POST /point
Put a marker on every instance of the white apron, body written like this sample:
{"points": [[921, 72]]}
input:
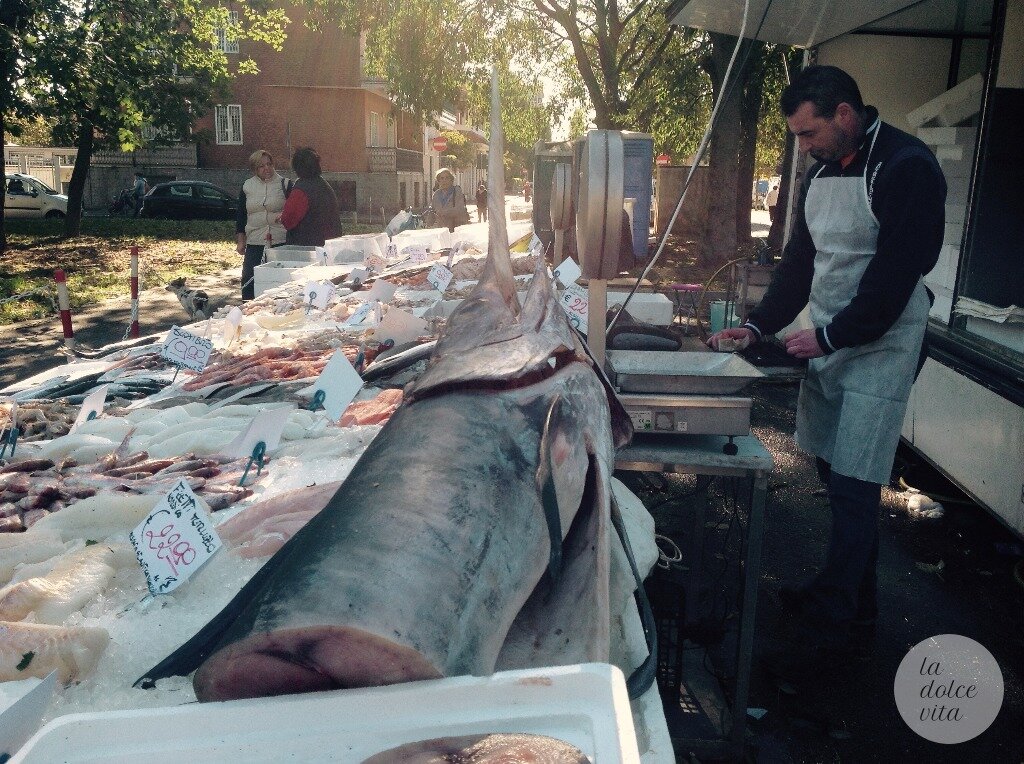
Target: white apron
{"points": [[851, 406]]}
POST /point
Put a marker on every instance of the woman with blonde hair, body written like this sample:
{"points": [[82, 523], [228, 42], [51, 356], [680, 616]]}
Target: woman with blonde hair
{"points": [[258, 223]]}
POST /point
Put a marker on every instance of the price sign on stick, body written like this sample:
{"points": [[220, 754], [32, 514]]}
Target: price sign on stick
{"points": [[267, 427], [417, 253], [321, 256], [319, 293], [536, 245], [339, 383], [575, 302], [92, 407], [567, 272], [232, 322], [439, 277], [174, 540], [186, 350], [361, 315]]}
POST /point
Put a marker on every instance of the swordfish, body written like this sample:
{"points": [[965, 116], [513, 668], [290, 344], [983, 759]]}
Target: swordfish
{"points": [[480, 511]]}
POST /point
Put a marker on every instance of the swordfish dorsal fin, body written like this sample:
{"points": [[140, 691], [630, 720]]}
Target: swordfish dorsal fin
{"points": [[498, 268]]}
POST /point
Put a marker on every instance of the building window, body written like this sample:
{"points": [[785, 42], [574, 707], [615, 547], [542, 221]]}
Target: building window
{"points": [[374, 128], [226, 39], [392, 133], [228, 119]]}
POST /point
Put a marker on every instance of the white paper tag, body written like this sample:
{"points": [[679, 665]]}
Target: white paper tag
{"points": [[417, 253], [318, 293], [400, 326], [391, 251], [643, 421], [381, 290], [321, 255], [186, 349], [20, 720], [93, 404], [536, 245], [175, 540], [439, 277], [358, 274], [568, 272], [340, 383], [574, 302], [267, 427], [360, 316], [232, 322]]}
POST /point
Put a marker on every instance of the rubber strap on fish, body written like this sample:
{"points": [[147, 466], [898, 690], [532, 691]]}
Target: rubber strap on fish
{"points": [[642, 678], [549, 497]]}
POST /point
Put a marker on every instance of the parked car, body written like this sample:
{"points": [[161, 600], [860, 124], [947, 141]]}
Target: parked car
{"points": [[28, 197], [184, 199]]}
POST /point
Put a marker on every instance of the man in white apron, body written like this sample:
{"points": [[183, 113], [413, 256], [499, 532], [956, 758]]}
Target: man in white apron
{"points": [[868, 226]]}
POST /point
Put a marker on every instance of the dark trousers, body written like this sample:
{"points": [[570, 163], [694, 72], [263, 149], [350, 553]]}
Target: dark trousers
{"points": [[481, 213], [771, 213], [253, 257], [845, 589]]}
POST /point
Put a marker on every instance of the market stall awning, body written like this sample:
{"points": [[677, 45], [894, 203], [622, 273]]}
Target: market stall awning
{"points": [[803, 23]]}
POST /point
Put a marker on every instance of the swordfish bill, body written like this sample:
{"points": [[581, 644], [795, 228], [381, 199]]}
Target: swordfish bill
{"points": [[473, 531]]}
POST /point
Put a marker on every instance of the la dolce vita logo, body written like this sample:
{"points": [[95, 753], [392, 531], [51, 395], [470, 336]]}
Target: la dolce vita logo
{"points": [[948, 689]]}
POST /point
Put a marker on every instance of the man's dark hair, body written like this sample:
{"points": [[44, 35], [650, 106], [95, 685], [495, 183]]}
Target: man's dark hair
{"points": [[824, 86], [306, 163]]}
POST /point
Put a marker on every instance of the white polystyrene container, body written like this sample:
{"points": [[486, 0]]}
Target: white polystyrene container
{"points": [[586, 705]]}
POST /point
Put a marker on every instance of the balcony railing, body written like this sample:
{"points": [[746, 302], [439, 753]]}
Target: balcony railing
{"points": [[389, 159], [162, 156]]}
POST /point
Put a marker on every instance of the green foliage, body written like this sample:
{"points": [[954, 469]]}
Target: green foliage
{"points": [[29, 131], [461, 152]]}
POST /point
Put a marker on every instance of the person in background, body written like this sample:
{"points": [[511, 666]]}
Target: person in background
{"points": [[311, 214], [258, 225], [771, 201], [481, 202], [139, 191], [527, 191], [868, 226], [448, 201]]}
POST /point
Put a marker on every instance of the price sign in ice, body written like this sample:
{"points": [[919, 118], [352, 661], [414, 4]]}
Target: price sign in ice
{"points": [[266, 428], [358, 274], [575, 301], [232, 322], [361, 314], [92, 406], [439, 277], [567, 272], [319, 293], [417, 253], [339, 383], [321, 256], [536, 245], [175, 540], [186, 349]]}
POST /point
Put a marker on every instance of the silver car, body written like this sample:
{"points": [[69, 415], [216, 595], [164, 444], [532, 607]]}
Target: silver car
{"points": [[28, 197]]}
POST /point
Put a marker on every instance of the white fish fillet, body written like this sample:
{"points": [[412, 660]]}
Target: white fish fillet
{"points": [[36, 545], [99, 516], [198, 442], [72, 583], [60, 447], [40, 649]]}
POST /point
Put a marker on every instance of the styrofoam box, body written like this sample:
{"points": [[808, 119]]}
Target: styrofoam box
{"points": [[356, 247], [270, 275], [586, 705]]}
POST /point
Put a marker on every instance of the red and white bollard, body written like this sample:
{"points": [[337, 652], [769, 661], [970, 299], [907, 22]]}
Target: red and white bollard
{"points": [[65, 308], [134, 327]]}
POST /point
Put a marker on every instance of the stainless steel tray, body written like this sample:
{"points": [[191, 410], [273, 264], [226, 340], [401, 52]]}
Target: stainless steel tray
{"points": [[680, 372]]}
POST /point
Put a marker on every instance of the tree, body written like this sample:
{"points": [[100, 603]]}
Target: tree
{"points": [[31, 131], [106, 69]]}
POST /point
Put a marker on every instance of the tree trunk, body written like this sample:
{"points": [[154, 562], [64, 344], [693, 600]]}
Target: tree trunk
{"points": [[778, 229], [750, 110], [76, 188], [718, 244]]}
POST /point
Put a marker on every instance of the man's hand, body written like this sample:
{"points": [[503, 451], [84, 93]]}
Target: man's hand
{"points": [[736, 339], [804, 344]]}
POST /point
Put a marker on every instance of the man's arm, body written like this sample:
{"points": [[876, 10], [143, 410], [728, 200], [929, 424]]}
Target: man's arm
{"points": [[909, 202], [791, 283]]}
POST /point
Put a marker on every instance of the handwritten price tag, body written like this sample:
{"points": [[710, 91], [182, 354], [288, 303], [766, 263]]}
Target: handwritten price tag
{"points": [[186, 349], [439, 277], [575, 302], [567, 272], [339, 383], [92, 406], [417, 253], [536, 245], [319, 293], [174, 541]]}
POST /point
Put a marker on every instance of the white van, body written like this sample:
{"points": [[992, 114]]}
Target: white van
{"points": [[28, 197]]}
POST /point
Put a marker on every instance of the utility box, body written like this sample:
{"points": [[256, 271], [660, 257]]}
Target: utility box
{"points": [[545, 156]]}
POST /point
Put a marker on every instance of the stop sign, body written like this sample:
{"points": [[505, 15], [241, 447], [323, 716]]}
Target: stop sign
{"points": [[440, 143], [663, 160]]}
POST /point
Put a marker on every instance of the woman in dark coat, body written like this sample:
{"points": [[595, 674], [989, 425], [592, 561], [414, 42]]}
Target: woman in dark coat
{"points": [[311, 214]]}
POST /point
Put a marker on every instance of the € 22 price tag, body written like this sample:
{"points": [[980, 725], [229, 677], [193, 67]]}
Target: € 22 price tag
{"points": [[174, 540], [439, 277], [575, 302], [536, 246], [186, 349], [319, 293]]}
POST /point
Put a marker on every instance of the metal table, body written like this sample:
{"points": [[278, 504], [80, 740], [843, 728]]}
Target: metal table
{"points": [[703, 455]]}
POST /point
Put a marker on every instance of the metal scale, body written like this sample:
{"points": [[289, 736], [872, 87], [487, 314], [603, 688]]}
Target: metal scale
{"points": [[665, 393]]}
